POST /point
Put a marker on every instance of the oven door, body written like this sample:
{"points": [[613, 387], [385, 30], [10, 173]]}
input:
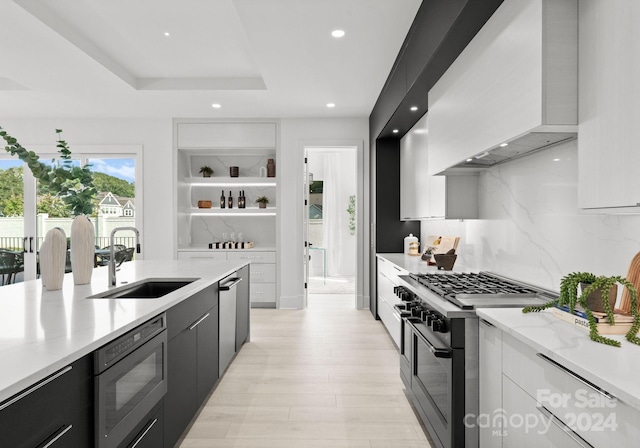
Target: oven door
{"points": [[128, 390], [438, 386]]}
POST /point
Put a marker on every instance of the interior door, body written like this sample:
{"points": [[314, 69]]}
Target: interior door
{"points": [[306, 257]]}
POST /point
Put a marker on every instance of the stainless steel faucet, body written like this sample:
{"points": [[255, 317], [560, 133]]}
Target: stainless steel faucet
{"points": [[112, 252]]}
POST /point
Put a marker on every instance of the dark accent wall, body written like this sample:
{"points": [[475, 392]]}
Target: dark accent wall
{"points": [[439, 33], [389, 231]]}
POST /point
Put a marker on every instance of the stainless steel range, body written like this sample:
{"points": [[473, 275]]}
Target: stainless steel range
{"points": [[439, 344]]}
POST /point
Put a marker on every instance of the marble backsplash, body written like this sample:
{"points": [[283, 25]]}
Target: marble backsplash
{"points": [[530, 227]]}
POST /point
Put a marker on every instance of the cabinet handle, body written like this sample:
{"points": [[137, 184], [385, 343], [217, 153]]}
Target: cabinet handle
{"points": [[560, 424], [199, 321], [62, 431], [487, 323], [231, 284], [578, 377], [397, 269], [147, 429], [35, 387]]}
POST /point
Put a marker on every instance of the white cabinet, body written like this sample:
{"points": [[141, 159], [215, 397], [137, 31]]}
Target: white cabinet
{"points": [[414, 179], [423, 196], [388, 279], [609, 96], [518, 75], [262, 272], [490, 380], [560, 408], [224, 135]]}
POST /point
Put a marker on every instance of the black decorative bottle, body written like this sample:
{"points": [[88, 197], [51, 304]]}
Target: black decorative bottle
{"points": [[223, 201], [230, 202]]}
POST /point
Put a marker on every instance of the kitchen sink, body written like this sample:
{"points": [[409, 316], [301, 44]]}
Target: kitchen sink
{"points": [[145, 289]]}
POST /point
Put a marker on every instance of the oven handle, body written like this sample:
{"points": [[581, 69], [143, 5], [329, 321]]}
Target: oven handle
{"points": [[437, 352]]}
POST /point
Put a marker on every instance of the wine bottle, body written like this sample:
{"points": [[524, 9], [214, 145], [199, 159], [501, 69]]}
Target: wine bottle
{"points": [[230, 202], [223, 201]]}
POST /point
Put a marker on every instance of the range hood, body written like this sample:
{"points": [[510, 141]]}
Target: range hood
{"points": [[512, 91], [516, 148]]}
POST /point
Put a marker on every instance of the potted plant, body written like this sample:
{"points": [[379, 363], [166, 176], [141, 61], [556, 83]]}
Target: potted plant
{"points": [[600, 286], [262, 201], [206, 171]]}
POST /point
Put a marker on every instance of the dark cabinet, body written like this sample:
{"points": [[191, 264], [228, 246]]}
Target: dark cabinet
{"points": [[180, 400], [150, 433], [192, 360], [242, 308], [55, 412], [207, 354]]}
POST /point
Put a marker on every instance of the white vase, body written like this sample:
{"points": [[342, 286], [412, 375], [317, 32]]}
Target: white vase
{"points": [[82, 250], [54, 258]]}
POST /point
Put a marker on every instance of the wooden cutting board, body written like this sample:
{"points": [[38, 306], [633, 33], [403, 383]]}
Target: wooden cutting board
{"points": [[634, 277]]}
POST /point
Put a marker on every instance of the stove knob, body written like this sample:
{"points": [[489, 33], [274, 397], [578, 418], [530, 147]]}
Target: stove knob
{"points": [[395, 290], [439, 325], [430, 318]]}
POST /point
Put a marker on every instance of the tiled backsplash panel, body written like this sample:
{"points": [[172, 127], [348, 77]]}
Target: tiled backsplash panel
{"points": [[530, 227]]}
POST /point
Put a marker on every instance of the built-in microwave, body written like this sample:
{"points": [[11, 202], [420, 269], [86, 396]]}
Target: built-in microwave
{"points": [[130, 379]]}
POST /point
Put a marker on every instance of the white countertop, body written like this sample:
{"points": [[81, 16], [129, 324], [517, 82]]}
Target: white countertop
{"points": [[43, 331], [413, 263], [611, 368]]}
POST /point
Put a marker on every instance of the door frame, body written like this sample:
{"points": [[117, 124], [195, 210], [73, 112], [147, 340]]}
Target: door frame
{"points": [[362, 213]]}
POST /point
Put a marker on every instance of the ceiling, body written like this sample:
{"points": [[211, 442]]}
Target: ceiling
{"points": [[256, 58]]}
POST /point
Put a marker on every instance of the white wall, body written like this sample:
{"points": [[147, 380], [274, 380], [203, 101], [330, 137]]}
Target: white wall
{"points": [[295, 135], [530, 228], [155, 135]]}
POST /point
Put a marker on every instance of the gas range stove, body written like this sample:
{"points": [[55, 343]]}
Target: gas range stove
{"points": [[468, 291]]}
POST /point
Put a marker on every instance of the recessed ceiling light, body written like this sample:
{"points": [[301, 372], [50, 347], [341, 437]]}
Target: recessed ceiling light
{"points": [[216, 106], [556, 160], [469, 160], [502, 145], [167, 34], [337, 33], [414, 108], [330, 105], [395, 131]]}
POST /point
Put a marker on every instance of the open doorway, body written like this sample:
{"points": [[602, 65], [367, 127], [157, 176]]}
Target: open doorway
{"points": [[331, 220]]}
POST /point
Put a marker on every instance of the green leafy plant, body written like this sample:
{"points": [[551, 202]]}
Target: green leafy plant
{"points": [[73, 184], [206, 171], [569, 297], [352, 214], [263, 200]]}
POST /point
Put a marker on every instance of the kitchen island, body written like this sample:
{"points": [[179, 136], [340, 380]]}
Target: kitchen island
{"points": [[48, 340]]}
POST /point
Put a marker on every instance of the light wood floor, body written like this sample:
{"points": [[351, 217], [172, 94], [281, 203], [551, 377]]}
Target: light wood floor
{"points": [[323, 377]]}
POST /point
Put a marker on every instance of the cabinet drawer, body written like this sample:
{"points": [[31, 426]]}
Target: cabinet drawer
{"points": [[537, 431], [390, 270], [579, 403], [390, 320], [253, 257], [57, 410], [385, 291], [263, 292], [263, 273], [212, 255]]}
